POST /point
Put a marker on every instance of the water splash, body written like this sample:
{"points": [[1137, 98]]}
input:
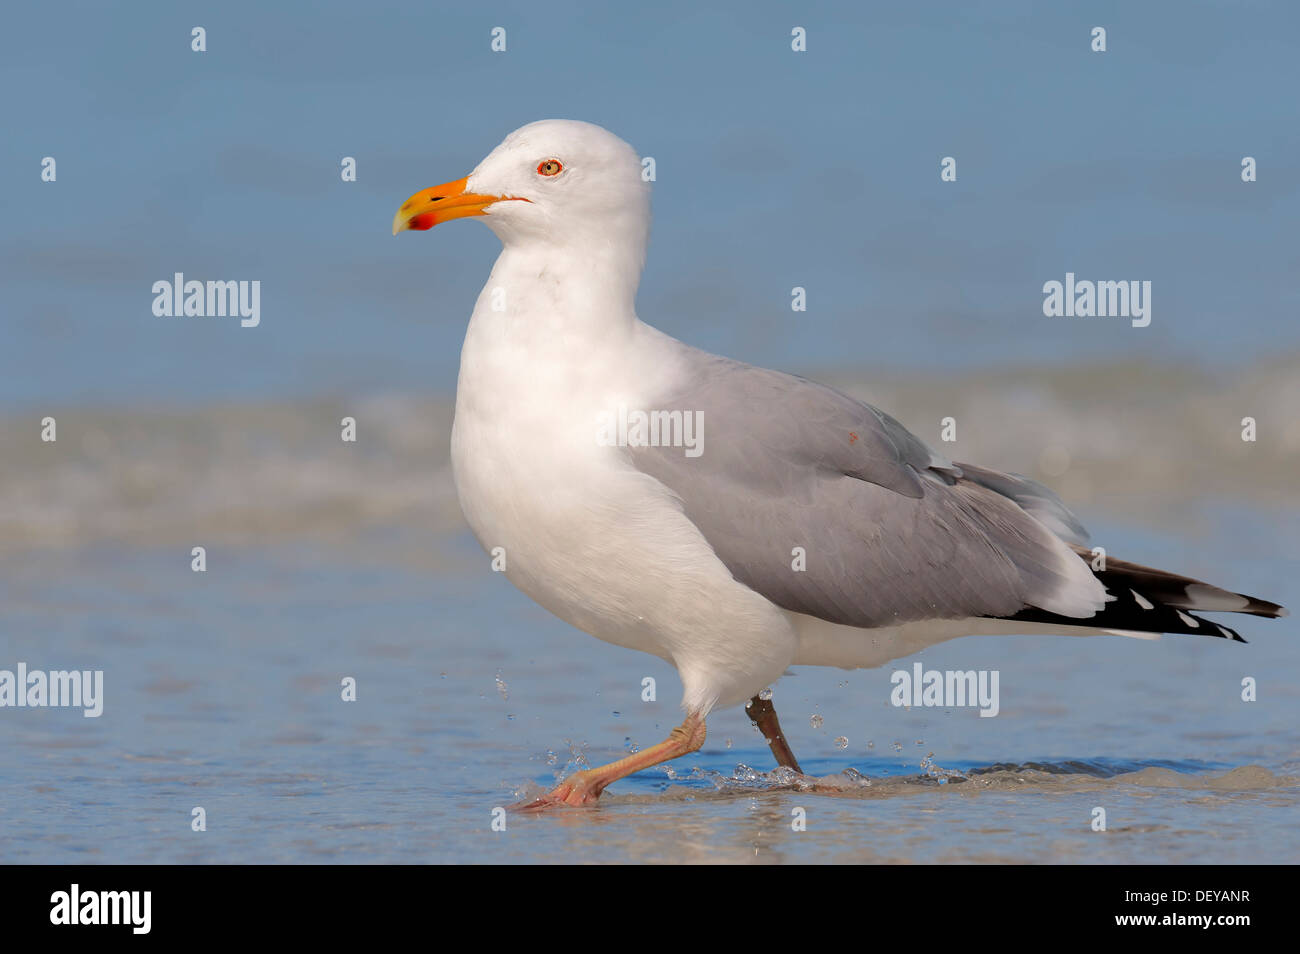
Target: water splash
{"points": [[938, 772], [577, 758]]}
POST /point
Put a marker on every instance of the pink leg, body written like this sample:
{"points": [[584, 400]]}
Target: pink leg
{"points": [[583, 788]]}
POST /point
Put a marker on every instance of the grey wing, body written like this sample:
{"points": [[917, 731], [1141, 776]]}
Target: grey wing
{"points": [[829, 507], [1035, 499]]}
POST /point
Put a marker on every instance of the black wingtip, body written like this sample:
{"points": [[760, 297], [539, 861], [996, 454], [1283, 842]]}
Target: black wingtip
{"points": [[1258, 607], [1267, 611], [1226, 632]]}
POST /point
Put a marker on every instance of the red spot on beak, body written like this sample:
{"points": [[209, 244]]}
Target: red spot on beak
{"points": [[423, 222]]}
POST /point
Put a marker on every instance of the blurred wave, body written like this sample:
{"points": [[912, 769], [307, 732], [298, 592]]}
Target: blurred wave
{"points": [[144, 475], [1132, 438]]}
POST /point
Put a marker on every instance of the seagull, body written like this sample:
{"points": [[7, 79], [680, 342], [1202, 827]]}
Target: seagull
{"points": [[729, 519]]}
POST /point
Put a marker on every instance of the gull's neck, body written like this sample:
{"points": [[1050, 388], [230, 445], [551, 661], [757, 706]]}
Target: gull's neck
{"points": [[579, 292]]}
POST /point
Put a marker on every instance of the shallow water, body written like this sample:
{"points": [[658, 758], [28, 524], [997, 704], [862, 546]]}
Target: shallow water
{"points": [[222, 689]]}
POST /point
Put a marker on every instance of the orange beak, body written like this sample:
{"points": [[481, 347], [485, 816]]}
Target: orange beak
{"points": [[441, 204]]}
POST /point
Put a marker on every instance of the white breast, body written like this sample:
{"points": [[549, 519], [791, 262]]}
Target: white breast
{"points": [[599, 544]]}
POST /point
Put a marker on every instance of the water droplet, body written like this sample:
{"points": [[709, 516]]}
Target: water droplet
{"points": [[443, 675], [816, 721], [841, 742], [870, 744], [616, 713], [898, 746], [728, 743], [576, 754], [765, 694], [551, 757], [502, 688], [510, 717]]}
